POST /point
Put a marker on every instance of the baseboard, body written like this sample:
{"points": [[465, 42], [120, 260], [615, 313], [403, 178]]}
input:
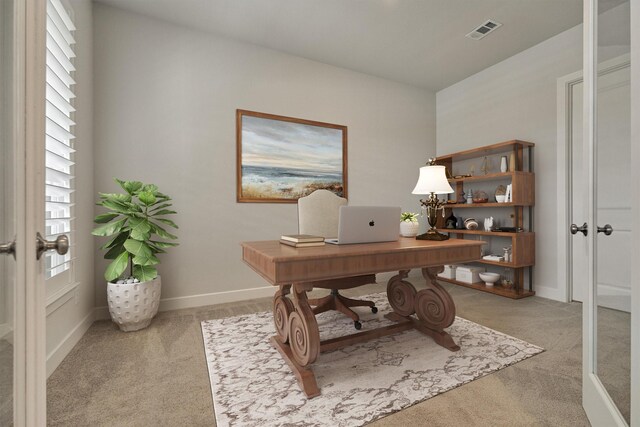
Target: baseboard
{"points": [[200, 300], [551, 293], [57, 355]]}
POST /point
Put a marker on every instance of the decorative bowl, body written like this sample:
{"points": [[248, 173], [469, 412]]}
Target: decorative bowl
{"points": [[489, 278], [471, 224], [483, 200], [500, 198]]}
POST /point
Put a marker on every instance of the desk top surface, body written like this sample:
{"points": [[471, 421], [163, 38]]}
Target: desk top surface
{"points": [[273, 250]]}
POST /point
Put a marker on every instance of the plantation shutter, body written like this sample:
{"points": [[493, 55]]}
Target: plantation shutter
{"points": [[59, 157]]}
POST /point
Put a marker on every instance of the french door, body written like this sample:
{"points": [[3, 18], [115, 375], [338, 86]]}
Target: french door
{"points": [[609, 236], [22, 293]]}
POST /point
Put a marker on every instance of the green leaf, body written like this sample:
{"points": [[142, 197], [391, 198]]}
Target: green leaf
{"points": [[144, 273], [118, 240], [163, 205], [116, 197], [156, 250], [146, 260], [117, 267], [109, 229], [151, 188], [131, 187], [168, 222], [140, 229], [165, 212], [162, 232], [137, 248], [106, 217], [163, 244], [114, 252], [115, 205], [147, 197]]}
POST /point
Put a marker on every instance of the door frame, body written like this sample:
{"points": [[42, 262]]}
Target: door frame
{"points": [[564, 140], [635, 209]]}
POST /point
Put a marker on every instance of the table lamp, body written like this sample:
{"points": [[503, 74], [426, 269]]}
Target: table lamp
{"points": [[432, 181]]}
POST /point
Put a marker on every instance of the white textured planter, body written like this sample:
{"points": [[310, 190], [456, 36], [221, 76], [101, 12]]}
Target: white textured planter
{"points": [[409, 228], [132, 306]]}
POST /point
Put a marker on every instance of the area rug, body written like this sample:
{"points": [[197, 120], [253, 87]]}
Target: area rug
{"points": [[252, 385]]}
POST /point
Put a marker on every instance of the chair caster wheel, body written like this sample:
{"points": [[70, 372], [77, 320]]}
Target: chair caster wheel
{"points": [[374, 310], [357, 325]]}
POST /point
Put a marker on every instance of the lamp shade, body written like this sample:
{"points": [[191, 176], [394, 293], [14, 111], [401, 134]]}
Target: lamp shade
{"points": [[432, 179]]}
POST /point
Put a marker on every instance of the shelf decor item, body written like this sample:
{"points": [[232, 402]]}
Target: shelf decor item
{"points": [[432, 181], [503, 164], [409, 224]]}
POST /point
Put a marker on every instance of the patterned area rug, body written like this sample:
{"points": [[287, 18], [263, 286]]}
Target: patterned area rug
{"points": [[253, 386]]}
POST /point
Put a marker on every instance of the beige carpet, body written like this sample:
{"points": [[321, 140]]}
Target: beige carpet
{"points": [[252, 385]]}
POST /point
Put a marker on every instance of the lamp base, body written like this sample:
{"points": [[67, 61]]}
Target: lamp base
{"points": [[432, 234]]}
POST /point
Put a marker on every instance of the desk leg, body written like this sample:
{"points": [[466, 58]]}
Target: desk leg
{"points": [[302, 335], [433, 306], [282, 308]]}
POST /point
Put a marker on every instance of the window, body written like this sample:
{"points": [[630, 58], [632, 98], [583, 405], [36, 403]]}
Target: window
{"points": [[59, 157]]}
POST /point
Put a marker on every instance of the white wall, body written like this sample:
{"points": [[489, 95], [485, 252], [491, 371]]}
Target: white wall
{"points": [[516, 99], [71, 311], [165, 102]]}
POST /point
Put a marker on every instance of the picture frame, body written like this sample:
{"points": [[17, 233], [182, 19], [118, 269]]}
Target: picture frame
{"points": [[280, 159]]}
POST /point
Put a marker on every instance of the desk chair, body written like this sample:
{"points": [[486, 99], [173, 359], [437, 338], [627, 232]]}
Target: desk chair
{"points": [[318, 215]]}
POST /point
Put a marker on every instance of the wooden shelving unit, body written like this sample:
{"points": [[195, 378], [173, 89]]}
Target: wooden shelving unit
{"points": [[523, 184]]}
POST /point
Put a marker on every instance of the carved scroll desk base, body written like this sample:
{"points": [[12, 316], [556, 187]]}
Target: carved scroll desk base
{"points": [[297, 336]]}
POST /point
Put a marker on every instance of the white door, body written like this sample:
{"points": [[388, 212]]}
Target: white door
{"points": [[606, 269], [614, 175], [22, 293]]}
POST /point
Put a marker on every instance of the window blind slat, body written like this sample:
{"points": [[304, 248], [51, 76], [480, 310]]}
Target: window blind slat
{"points": [[59, 86], [59, 39], [58, 132], [59, 54], [60, 148], [62, 12], [58, 100], [58, 69], [59, 116], [59, 23]]}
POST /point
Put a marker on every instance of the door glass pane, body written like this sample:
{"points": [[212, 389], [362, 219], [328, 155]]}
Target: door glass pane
{"points": [[613, 206], [7, 217]]}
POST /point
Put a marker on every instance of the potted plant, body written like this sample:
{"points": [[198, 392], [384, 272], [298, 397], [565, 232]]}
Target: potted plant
{"points": [[409, 225], [135, 222]]}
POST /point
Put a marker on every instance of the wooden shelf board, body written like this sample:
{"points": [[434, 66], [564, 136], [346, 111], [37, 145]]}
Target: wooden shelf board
{"points": [[500, 263], [484, 233], [486, 150], [496, 289], [483, 205], [490, 177]]}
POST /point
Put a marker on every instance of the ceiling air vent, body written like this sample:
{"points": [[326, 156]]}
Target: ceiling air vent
{"points": [[484, 29]]}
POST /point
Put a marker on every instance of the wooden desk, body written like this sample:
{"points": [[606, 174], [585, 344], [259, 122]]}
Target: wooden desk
{"points": [[300, 270]]}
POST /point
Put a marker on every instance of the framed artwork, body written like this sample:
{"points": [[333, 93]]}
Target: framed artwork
{"points": [[280, 159]]}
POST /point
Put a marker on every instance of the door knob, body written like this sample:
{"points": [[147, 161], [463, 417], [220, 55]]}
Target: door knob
{"points": [[607, 230], [8, 248], [574, 229], [61, 245]]}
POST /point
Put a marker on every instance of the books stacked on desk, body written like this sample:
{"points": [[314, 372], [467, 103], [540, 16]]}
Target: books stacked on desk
{"points": [[301, 240]]}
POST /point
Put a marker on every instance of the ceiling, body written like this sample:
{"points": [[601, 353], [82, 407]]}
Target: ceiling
{"points": [[419, 42]]}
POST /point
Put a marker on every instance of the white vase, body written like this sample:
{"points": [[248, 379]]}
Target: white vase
{"points": [[409, 228], [133, 305], [503, 164]]}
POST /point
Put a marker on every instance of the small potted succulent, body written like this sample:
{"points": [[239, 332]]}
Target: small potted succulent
{"points": [[135, 222], [409, 225]]}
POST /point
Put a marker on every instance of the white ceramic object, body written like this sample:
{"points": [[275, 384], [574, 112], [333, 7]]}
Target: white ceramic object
{"points": [[500, 198], [409, 228], [133, 305], [489, 278]]}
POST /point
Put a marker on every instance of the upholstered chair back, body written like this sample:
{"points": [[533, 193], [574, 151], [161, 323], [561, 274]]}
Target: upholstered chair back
{"points": [[318, 213]]}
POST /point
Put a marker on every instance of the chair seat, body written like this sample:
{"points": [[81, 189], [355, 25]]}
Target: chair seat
{"points": [[345, 282]]}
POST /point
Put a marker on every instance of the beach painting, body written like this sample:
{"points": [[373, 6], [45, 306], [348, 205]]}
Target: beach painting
{"points": [[281, 159]]}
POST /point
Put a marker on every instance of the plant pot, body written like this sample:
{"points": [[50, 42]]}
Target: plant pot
{"points": [[133, 305], [409, 228]]}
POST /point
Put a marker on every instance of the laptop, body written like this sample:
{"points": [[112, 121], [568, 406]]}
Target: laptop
{"points": [[367, 224]]}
